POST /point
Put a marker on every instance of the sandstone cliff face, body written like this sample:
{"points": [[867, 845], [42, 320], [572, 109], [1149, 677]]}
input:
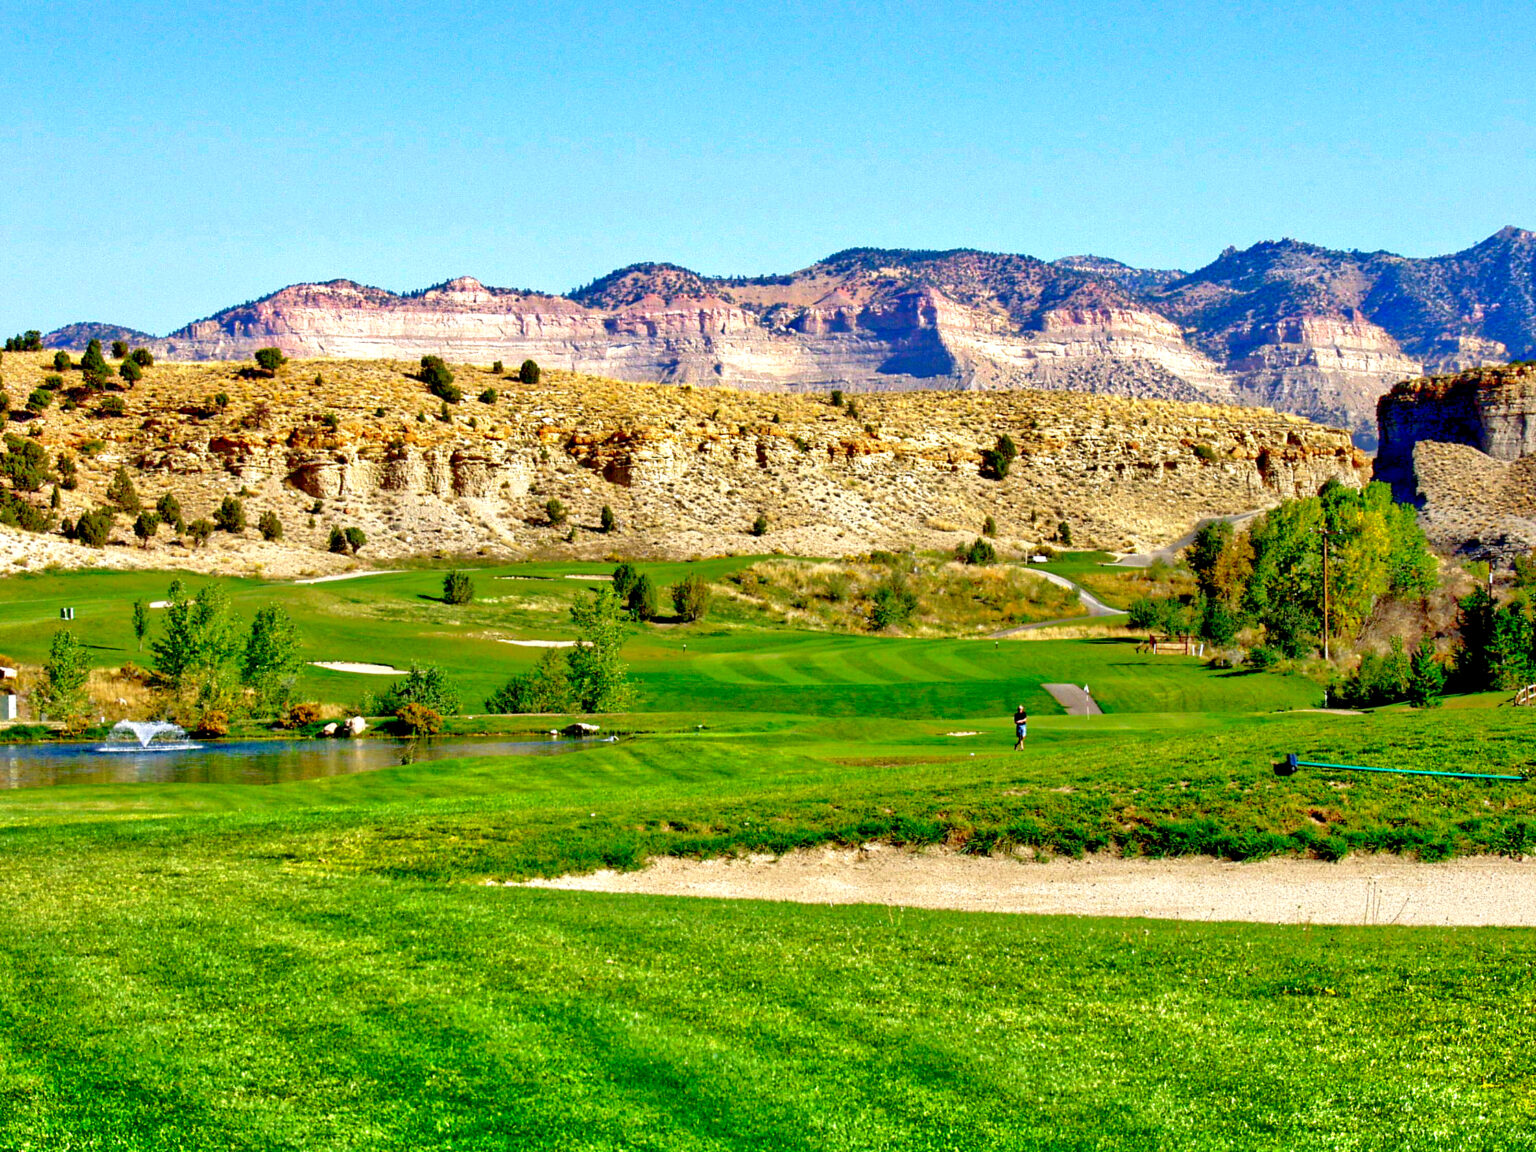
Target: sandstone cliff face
{"points": [[1464, 448], [686, 469], [1305, 329]]}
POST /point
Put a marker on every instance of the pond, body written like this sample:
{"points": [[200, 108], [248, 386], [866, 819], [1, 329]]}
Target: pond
{"points": [[246, 761]]}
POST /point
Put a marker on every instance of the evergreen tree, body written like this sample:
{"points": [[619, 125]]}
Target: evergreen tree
{"points": [[458, 588], [641, 601], [529, 373], [1426, 677], [607, 520]]}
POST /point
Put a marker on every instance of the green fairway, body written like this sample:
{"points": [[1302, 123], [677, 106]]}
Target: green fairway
{"points": [[726, 663]]}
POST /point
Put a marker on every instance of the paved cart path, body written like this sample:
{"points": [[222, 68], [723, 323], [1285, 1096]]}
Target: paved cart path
{"points": [[1074, 699]]}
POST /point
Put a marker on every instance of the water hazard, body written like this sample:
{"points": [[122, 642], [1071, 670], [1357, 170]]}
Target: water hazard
{"points": [[243, 761]]}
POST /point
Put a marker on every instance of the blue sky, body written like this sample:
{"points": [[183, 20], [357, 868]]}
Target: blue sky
{"points": [[161, 161]]}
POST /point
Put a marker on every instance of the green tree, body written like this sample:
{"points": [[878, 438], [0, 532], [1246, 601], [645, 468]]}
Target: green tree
{"points": [[989, 527], [269, 360], [598, 676], [93, 361], [1218, 623], [978, 551], [140, 622], [197, 653], [426, 685], [143, 357], [270, 527], [1064, 534], [554, 511], [119, 349], [624, 577], [641, 601], [607, 521], [760, 525], [25, 464], [545, 688], [529, 373], [458, 588], [356, 539], [269, 662], [62, 691], [1426, 677], [200, 529], [130, 372], [145, 526], [38, 401], [690, 598], [121, 493], [169, 508], [1204, 555], [94, 528], [230, 516], [338, 541], [439, 380], [62, 361]]}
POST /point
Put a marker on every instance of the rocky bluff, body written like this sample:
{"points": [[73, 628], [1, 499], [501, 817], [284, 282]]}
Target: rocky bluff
{"points": [[1304, 329], [686, 470], [1463, 447]]}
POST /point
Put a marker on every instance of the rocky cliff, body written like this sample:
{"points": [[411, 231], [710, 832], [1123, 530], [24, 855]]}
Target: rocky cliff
{"points": [[685, 469], [1310, 330], [1464, 448]]}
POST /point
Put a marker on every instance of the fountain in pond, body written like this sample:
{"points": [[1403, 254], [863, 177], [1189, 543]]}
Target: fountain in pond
{"points": [[147, 736]]}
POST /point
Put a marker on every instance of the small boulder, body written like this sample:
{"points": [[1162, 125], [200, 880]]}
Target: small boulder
{"points": [[329, 729], [356, 726], [580, 729]]}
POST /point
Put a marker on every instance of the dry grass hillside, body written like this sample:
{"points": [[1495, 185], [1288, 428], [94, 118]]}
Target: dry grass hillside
{"points": [[328, 443]]}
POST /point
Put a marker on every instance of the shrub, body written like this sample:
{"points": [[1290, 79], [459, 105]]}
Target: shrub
{"points": [[338, 541], [554, 511], [112, 406], [331, 421], [1205, 453], [545, 688], [270, 527], [130, 372], [25, 464], [62, 361], [994, 465], [418, 719], [837, 398], [200, 530], [498, 368], [355, 539], [488, 396], [607, 521], [169, 508], [458, 588], [145, 527], [38, 401], [213, 724], [1064, 534], [989, 527], [1261, 658], [94, 528], [760, 525], [529, 373], [230, 516], [143, 357], [438, 378], [119, 349], [53, 383], [891, 602], [269, 360], [121, 493], [641, 601], [979, 552], [690, 597], [300, 715]]}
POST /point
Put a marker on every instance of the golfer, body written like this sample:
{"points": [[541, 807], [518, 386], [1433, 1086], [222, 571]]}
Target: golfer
{"points": [[1020, 725]]}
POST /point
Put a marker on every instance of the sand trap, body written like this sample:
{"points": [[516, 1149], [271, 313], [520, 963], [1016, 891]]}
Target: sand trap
{"points": [[159, 603], [539, 643], [607, 576], [1484, 890], [346, 576], [962, 733], [364, 669]]}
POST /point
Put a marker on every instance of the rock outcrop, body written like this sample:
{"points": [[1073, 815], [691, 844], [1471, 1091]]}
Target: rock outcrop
{"points": [[1310, 330], [687, 470], [1463, 447]]}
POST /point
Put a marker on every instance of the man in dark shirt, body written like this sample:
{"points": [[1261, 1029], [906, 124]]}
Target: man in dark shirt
{"points": [[1020, 723]]}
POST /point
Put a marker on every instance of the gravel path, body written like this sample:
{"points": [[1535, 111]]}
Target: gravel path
{"points": [[1358, 890]]}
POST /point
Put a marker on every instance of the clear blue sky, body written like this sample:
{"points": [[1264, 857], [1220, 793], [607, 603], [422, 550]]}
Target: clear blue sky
{"points": [[161, 161]]}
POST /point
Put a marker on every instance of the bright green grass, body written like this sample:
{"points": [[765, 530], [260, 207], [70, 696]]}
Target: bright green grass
{"points": [[720, 664], [315, 965]]}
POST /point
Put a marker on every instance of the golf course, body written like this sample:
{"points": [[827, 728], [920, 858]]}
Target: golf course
{"points": [[342, 962]]}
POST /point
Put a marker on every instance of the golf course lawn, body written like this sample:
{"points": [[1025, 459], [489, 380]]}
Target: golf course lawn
{"points": [[322, 965]]}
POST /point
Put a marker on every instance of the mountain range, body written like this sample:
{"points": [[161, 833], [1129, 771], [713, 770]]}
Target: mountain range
{"points": [[1314, 331]]}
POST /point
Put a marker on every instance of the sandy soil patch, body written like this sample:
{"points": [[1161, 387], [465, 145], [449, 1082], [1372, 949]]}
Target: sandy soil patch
{"points": [[363, 669], [1358, 890]]}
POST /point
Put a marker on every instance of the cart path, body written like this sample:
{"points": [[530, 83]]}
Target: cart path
{"points": [[1375, 890], [1095, 606], [1074, 699]]}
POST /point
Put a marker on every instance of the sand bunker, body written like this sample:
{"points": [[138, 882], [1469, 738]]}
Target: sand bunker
{"points": [[364, 669], [345, 576], [1481, 890], [539, 643]]}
